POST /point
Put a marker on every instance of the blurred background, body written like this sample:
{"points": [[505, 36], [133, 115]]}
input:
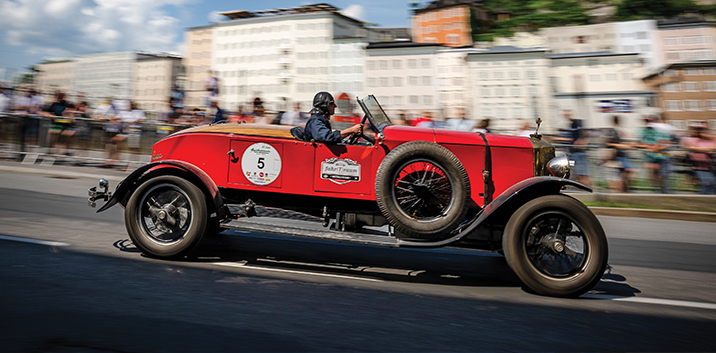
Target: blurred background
{"points": [[627, 88]]}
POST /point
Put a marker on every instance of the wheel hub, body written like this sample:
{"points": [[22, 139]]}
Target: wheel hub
{"points": [[553, 243]]}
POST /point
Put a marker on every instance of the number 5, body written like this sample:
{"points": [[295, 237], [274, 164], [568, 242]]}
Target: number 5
{"points": [[260, 163]]}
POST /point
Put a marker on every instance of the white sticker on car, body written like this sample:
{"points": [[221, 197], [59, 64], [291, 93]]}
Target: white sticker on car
{"points": [[261, 164], [340, 171]]}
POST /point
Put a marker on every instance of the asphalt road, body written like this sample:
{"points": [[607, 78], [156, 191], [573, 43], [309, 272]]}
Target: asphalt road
{"points": [[73, 282]]}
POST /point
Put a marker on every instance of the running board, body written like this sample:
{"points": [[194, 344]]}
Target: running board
{"points": [[312, 230]]}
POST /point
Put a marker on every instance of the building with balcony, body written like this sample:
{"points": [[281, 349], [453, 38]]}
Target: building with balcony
{"points": [[686, 38], [686, 92]]}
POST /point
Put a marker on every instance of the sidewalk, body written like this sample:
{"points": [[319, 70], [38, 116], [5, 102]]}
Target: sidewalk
{"points": [[685, 207]]}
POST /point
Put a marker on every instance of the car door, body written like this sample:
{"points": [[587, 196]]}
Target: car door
{"points": [[343, 169]]}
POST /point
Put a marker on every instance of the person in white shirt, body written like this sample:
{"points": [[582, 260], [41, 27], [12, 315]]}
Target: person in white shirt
{"points": [[293, 117], [461, 123]]}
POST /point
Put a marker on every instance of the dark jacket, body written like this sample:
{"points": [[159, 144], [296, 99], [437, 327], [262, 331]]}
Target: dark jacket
{"points": [[318, 128]]}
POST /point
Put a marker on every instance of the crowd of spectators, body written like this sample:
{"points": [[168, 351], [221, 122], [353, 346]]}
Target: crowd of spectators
{"points": [[658, 151]]}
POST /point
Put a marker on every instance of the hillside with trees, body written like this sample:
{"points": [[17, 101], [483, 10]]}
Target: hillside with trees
{"points": [[536, 14]]}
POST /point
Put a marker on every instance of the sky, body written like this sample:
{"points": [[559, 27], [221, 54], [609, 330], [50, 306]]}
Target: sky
{"points": [[36, 30]]}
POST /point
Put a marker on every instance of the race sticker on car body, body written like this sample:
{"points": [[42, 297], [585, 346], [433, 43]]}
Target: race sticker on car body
{"points": [[261, 164], [340, 171]]}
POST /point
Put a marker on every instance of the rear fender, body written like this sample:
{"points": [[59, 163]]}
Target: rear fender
{"points": [[127, 186]]}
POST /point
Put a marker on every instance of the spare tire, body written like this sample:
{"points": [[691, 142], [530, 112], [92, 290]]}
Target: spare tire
{"points": [[423, 190]]}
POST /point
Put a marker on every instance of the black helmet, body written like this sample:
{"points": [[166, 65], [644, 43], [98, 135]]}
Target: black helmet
{"points": [[320, 103]]}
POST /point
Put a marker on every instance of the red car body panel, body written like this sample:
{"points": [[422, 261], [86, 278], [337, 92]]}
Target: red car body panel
{"points": [[340, 171]]}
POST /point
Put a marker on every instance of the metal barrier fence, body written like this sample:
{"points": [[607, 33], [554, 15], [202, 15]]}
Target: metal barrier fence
{"points": [[22, 135]]}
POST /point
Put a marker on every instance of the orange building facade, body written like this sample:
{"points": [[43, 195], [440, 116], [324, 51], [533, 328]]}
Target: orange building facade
{"points": [[447, 25]]}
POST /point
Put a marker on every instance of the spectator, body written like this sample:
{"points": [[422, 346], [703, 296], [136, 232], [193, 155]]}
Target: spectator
{"points": [[62, 127], [483, 126], [701, 152], [217, 111], [294, 117], [526, 130], [424, 121], [109, 114], [402, 119], [461, 123], [240, 116], [617, 160], [259, 115], [4, 100], [578, 141], [211, 85], [656, 143], [131, 127]]}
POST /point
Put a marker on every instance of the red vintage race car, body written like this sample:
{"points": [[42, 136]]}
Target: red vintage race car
{"points": [[396, 186]]}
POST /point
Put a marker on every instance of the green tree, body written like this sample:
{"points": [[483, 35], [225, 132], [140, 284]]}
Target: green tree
{"points": [[629, 10], [536, 14]]}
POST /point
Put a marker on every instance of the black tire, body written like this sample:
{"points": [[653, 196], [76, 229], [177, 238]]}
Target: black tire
{"points": [[556, 246], [166, 217], [423, 190]]}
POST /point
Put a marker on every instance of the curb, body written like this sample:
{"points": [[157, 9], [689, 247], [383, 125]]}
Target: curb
{"points": [[691, 216]]}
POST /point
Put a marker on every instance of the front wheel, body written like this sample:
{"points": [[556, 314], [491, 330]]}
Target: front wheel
{"points": [[556, 246], [166, 216]]}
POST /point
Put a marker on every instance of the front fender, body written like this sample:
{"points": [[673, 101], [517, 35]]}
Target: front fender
{"points": [[200, 178], [501, 208], [518, 194]]}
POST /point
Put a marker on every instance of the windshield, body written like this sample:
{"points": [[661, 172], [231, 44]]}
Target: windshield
{"points": [[374, 111]]}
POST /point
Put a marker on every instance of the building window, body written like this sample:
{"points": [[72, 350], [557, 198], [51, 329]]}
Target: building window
{"points": [[412, 63], [690, 86], [425, 62], [414, 100], [485, 92], [427, 100], [397, 100], [397, 81], [413, 80], [710, 86], [711, 104], [670, 87], [595, 78], [426, 81], [397, 64], [484, 75], [692, 105], [383, 64], [672, 106], [610, 77]]}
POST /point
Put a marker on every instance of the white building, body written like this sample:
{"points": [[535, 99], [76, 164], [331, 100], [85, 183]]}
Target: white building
{"points": [[154, 77], [452, 82], [55, 76], [509, 87], [104, 76], [596, 86], [618, 37], [402, 76], [285, 55], [197, 63]]}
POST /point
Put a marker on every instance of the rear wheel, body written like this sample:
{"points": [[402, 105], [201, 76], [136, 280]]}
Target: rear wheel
{"points": [[556, 246], [166, 216]]}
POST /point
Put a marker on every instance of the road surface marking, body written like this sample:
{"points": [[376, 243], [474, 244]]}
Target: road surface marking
{"points": [[682, 303], [243, 265], [33, 241]]}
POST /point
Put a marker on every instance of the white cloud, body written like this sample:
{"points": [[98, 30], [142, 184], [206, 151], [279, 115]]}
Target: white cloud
{"points": [[214, 16], [86, 26], [353, 11]]}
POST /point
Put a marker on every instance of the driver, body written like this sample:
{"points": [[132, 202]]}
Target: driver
{"points": [[318, 127]]}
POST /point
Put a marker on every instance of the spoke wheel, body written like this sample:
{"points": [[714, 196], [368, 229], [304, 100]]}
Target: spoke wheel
{"points": [[556, 246], [422, 189], [166, 216]]}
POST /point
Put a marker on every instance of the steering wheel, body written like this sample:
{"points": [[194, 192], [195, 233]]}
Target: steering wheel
{"points": [[354, 137]]}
